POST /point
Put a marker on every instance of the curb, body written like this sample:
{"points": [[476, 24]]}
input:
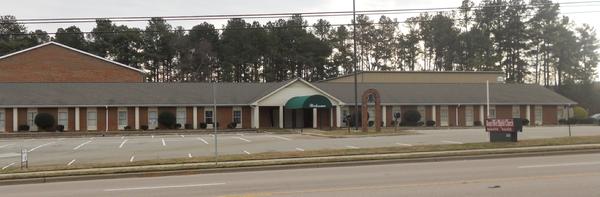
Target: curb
{"points": [[297, 163], [117, 133]]}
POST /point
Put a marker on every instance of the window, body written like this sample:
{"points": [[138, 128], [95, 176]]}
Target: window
{"points": [[444, 116], [421, 110], [345, 114], [397, 110], [181, 116], [31, 113], [122, 118], [63, 118], [92, 119], [208, 115], [538, 115], [152, 118], [237, 116], [492, 111], [2, 120], [516, 111], [469, 115]]}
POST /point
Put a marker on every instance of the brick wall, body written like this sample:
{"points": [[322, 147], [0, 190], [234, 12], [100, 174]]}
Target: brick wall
{"points": [[53, 63]]}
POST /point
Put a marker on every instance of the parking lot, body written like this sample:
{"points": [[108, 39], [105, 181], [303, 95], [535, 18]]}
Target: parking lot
{"points": [[93, 150]]}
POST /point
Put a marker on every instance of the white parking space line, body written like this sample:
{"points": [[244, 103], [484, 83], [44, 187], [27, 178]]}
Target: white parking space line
{"points": [[40, 146], [152, 136], [5, 145], [403, 144], [72, 161], [122, 137], [163, 187], [92, 138], [247, 152], [163, 142], [451, 142], [562, 165], [243, 139], [190, 155], [240, 134], [182, 135], [132, 158], [299, 149], [123, 143], [199, 138], [81, 145], [8, 166], [279, 137], [352, 147]]}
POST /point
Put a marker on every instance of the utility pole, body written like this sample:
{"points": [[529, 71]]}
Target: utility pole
{"points": [[214, 91], [355, 66]]}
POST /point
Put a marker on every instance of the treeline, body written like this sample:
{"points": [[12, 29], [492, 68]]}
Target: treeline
{"points": [[530, 41]]}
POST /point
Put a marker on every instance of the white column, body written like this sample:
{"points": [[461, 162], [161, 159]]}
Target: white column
{"points": [[255, 117], [315, 118], [137, 118], [77, 119], [195, 117], [481, 115], [384, 115], [106, 119], [456, 117], [15, 119], [528, 112], [338, 114], [281, 117], [433, 113]]}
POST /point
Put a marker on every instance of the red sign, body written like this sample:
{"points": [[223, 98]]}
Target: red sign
{"points": [[499, 125]]}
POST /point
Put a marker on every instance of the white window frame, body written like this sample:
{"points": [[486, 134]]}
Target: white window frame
{"points": [[516, 111], [469, 115], [152, 119], [66, 119], [422, 112], [444, 116], [397, 109], [345, 112], [539, 114], [181, 116], [492, 114], [2, 120], [209, 109], [31, 114], [89, 126], [119, 112], [237, 109]]}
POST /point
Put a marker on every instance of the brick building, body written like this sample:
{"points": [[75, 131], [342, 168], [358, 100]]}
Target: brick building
{"points": [[104, 103]]}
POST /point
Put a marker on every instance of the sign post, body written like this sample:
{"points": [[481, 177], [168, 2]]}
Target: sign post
{"points": [[503, 130], [24, 159]]}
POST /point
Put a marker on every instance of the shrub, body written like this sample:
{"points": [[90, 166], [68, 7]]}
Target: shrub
{"points": [[232, 125], [525, 122], [562, 121], [586, 121], [44, 121], [203, 125], [351, 119], [167, 119], [411, 116], [477, 123], [144, 127], [580, 113], [60, 128], [371, 123], [430, 123], [127, 128], [420, 123], [189, 126], [23, 127], [177, 126]]}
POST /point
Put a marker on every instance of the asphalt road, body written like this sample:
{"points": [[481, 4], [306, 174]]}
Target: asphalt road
{"points": [[566, 175], [78, 151]]}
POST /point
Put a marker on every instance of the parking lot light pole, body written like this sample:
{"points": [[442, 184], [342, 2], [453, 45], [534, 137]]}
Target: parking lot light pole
{"points": [[214, 91]]}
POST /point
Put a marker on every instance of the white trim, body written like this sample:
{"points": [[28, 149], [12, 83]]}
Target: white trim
{"points": [[195, 117], [3, 120], [137, 118], [152, 124], [15, 118], [528, 111], [255, 117], [469, 112], [314, 111], [32, 126], [62, 110], [338, 116], [281, 117], [87, 119], [177, 116], [122, 109], [206, 109], [384, 115], [292, 82], [233, 109], [481, 114], [72, 49], [433, 113], [77, 119]]}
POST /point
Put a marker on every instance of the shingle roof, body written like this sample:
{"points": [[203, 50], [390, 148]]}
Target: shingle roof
{"points": [[185, 94], [413, 94]]}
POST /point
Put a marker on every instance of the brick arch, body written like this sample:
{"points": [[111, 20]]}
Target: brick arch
{"points": [[365, 106]]}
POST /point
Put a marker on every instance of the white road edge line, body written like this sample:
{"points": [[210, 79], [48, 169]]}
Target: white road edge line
{"points": [[279, 137], [163, 142], [5, 145], [72, 161], [199, 138], [247, 152], [562, 164], [403, 144], [299, 149], [7, 166], [163, 187], [352, 147], [81, 145], [452, 142], [40, 146], [132, 158], [243, 139], [123, 143]]}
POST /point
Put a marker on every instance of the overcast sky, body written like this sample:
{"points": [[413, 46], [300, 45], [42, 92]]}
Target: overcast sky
{"points": [[26, 9]]}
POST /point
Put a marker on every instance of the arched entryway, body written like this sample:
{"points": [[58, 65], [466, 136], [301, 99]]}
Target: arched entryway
{"points": [[312, 111]]}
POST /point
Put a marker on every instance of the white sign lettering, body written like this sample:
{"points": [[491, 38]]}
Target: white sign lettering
{"points": [[316, 106]]}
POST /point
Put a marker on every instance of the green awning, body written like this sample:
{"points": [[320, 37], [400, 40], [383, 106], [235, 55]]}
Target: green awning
{"points": [[314, 101]]}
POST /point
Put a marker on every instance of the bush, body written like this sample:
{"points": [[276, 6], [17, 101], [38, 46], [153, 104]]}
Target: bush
{"points": [[232, 125], [477, 123], [60, 128], [586, 121], [430, 123], [562, 121], [525, 122], [371, 123], [144, 127], [203, 125], [167, 119], [23, 127], [127, 128], [420, 123], [411, 117], [189, 126], [44, 121], [580, 113], [350, 119], [177, 126]]}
